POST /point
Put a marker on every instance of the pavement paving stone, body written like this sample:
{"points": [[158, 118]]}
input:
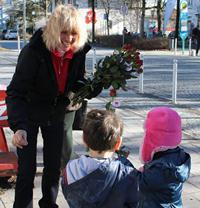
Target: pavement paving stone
{"points": [[133, 110]]}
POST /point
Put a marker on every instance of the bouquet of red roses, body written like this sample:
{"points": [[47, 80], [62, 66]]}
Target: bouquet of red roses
{"points": [[113, 71]]}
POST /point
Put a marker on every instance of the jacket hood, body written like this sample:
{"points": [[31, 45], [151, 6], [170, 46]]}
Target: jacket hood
{"points": [[162, 132], [176, 163], [36, 40], [99, 182], [181, 172]]}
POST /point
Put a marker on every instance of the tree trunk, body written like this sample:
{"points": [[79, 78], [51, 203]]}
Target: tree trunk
{"points": [[107, 24], [106, 6], [159, 16], [177, 19], [142, 18]]}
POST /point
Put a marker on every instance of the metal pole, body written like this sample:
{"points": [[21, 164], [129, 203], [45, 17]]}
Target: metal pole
{"points": [[24, 21], [123, 29], [93, 22], [190, 46], [183, 46], [172, 43], [1, 16], [141, 79], [94, 60], [18, 38], [174, 83], [141, 83], [177, 18], [175, 47], [18, 43]]}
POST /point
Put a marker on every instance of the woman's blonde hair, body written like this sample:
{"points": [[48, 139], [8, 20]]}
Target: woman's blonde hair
{"points": [[64, 18]]}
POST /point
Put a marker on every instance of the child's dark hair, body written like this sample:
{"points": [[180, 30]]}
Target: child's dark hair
{"points": [[101, 130]]}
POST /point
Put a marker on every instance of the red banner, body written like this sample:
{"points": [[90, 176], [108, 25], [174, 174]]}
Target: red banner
{"points": [[89, 15]]}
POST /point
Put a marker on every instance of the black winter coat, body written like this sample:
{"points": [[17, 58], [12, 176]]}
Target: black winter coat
{"points": [[32, 94]]}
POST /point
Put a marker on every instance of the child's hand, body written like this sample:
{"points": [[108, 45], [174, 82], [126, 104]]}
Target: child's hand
{"points": [[141, 169], [123, 151]]}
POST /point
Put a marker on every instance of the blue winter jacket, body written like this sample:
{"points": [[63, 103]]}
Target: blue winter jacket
{"points": [[112, 185], [162, 180]]}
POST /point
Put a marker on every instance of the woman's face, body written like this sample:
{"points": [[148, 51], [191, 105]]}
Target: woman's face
{"points": [[67, 40]]}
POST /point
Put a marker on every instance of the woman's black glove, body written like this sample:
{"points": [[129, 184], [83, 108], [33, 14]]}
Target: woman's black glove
{"points": [[95, 91]]}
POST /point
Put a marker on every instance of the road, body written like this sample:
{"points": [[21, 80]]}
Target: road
{"points": [[157, 83], [10, 44]]}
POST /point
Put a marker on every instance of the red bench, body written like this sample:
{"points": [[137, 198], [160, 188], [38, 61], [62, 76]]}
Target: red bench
{"points": [[8, 160]]}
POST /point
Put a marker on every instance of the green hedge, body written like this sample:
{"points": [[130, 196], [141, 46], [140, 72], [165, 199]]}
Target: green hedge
{"points": [[115, 41]]}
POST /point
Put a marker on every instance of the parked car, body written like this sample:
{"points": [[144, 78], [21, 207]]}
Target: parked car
{"points": [[2, 34], [10, 34]]}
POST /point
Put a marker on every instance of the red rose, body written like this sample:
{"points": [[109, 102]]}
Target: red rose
{"points": [[127, 47], [113, 92], [139, 62]]}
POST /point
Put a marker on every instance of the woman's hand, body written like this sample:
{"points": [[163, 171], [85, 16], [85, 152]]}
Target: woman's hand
{"points": [[20, 139]]}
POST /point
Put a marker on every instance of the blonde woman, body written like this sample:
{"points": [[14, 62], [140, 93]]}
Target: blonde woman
{"points": [[48, 68]]}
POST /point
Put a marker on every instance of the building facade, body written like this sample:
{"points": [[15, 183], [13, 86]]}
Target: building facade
{"points": [[194, 13], [119, 16]]}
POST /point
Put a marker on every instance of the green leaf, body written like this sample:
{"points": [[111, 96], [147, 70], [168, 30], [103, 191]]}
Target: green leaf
{"points": [[106, 85], [108, 105], [108, 65], [114, 69], [115, 85]]}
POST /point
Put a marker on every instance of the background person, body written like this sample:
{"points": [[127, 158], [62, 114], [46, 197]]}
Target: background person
{"points": [[125, 31], [48, 68], [196, 35]]}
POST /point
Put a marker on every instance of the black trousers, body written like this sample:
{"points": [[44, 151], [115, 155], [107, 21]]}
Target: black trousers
{"points": [[198, 46], [52, 146]]}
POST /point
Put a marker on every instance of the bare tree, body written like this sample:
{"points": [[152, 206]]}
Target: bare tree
{"points": [[160, 7], [106, 5], [140, 7], [34, 11], [136, 6], [142, 18]]}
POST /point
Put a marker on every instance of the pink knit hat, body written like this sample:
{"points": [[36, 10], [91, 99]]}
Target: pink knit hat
{"points": [[163, 132]]}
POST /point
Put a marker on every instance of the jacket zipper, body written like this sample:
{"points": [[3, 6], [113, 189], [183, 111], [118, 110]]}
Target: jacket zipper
{"points": [[60, 66]]}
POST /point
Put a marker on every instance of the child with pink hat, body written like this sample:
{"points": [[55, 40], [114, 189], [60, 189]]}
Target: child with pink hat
{"points": [[166, 165]]}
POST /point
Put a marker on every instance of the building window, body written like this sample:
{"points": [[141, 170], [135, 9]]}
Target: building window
{"points": [[190, 3]]}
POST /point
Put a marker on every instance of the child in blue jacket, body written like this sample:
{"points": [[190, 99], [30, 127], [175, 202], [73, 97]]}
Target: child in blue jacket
{"points": [[166, 165], [101, 178]]}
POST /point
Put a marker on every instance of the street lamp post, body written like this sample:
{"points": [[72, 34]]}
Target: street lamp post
{"points": [[24, 20], [177, 18], [93, 22], [1, 14]]}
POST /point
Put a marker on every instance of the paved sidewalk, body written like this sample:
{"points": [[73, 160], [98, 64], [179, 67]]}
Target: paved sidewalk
{"points": [[133, 120], [133, 110]]}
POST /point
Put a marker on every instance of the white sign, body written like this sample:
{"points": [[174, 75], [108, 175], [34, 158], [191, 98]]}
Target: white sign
{"points": [[124, 10], [183, 19], [168, 12]]}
